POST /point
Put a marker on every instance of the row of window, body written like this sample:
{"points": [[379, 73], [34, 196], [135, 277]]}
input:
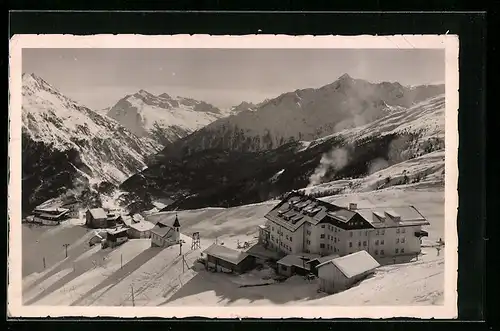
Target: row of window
{"points": [[329, 247]]}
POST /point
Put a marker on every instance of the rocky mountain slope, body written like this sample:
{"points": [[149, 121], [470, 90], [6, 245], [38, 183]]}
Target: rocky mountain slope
{"points": [[162, 117], [68, 146], [305, 114], [225, 177]]}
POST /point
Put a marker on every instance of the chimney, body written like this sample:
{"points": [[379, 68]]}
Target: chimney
{"points": [[353, 206]]}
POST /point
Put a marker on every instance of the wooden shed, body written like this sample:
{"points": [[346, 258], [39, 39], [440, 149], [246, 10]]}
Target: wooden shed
{"points": [[341, 273], [225, 259], [293, 265]]}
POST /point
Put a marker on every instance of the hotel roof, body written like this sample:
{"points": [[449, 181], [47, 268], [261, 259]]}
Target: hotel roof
{"points": [[295, 210]]}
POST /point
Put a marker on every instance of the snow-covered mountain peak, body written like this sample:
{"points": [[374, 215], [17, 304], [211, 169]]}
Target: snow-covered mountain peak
{"points": [[163, 118], [64, 140]]}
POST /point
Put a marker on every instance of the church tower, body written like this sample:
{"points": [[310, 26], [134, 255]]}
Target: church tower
{"points": [[177, 227]]}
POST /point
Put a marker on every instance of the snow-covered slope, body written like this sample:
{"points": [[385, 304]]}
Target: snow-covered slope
{"points": [[306, 114], [92, 276], [62, 136], [163, 118]]}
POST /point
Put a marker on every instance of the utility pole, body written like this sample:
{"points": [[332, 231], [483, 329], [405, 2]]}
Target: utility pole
{"points": [[121, 261], [180, 247], [183, 262], [133, 299], [66, 247], [44, 262]]}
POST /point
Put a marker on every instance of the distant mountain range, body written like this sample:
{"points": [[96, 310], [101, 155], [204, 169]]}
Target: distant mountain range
{"points": [[199, 155], [284, 143], [305, 114]]}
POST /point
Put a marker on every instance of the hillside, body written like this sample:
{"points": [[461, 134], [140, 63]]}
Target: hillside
{"points": [[225, 177], [162, 117], [93, 276], [68, 146], [306, 114]]}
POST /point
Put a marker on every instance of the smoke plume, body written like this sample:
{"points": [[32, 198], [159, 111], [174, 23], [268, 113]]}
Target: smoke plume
{"points": [[334, 160]]}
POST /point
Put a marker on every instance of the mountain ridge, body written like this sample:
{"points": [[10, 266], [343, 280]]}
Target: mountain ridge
{"points": [[67, 145], [162, 117]]}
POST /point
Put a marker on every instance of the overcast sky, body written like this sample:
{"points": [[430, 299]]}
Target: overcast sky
{"points": [[98, 78]]}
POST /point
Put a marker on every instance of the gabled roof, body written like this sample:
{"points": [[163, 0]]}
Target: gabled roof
{"points": [[116, 231], [163, 232], [295, 260], [226, 254], [353, 264], [142, 226], [323, 259], [98, 213]]}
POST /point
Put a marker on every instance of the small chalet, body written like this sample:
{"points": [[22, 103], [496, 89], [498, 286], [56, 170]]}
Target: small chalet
{"points": [[98, 238], [343, 272], [50, 216], [115, 237], [96, 218], [293, 265], [225, 259], [163, 234]]}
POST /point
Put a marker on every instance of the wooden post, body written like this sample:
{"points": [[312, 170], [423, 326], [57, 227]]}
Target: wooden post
{"points": [[66, 248], [183, 262], [44, 262], [180, 247], [121, 261]]}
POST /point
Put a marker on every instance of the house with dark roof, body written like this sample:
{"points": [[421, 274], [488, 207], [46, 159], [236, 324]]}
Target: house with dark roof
{"points": [[340, 273], [224, 259], [301, 223]]}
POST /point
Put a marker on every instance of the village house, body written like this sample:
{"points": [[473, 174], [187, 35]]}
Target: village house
{"points": [[224, 259], [141, 229], [340, 273], [50, 216], [163, 234], [101, 218], [303, 224], [115, 237], [96, 218]]}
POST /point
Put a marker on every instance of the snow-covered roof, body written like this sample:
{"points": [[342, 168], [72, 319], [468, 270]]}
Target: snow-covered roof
{"points": [[98, 213], [294, 260], [116, 231], [142, 226], [295, 210], [383, 217], [162, 231], [322, 259], [353, 264], [226, 254]]}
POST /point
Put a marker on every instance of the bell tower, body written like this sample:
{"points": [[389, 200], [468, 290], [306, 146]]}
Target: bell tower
{"points": [[177, 228]]}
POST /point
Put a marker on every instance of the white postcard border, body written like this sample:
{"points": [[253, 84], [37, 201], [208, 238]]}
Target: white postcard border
{"points": [[448, 42]]}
